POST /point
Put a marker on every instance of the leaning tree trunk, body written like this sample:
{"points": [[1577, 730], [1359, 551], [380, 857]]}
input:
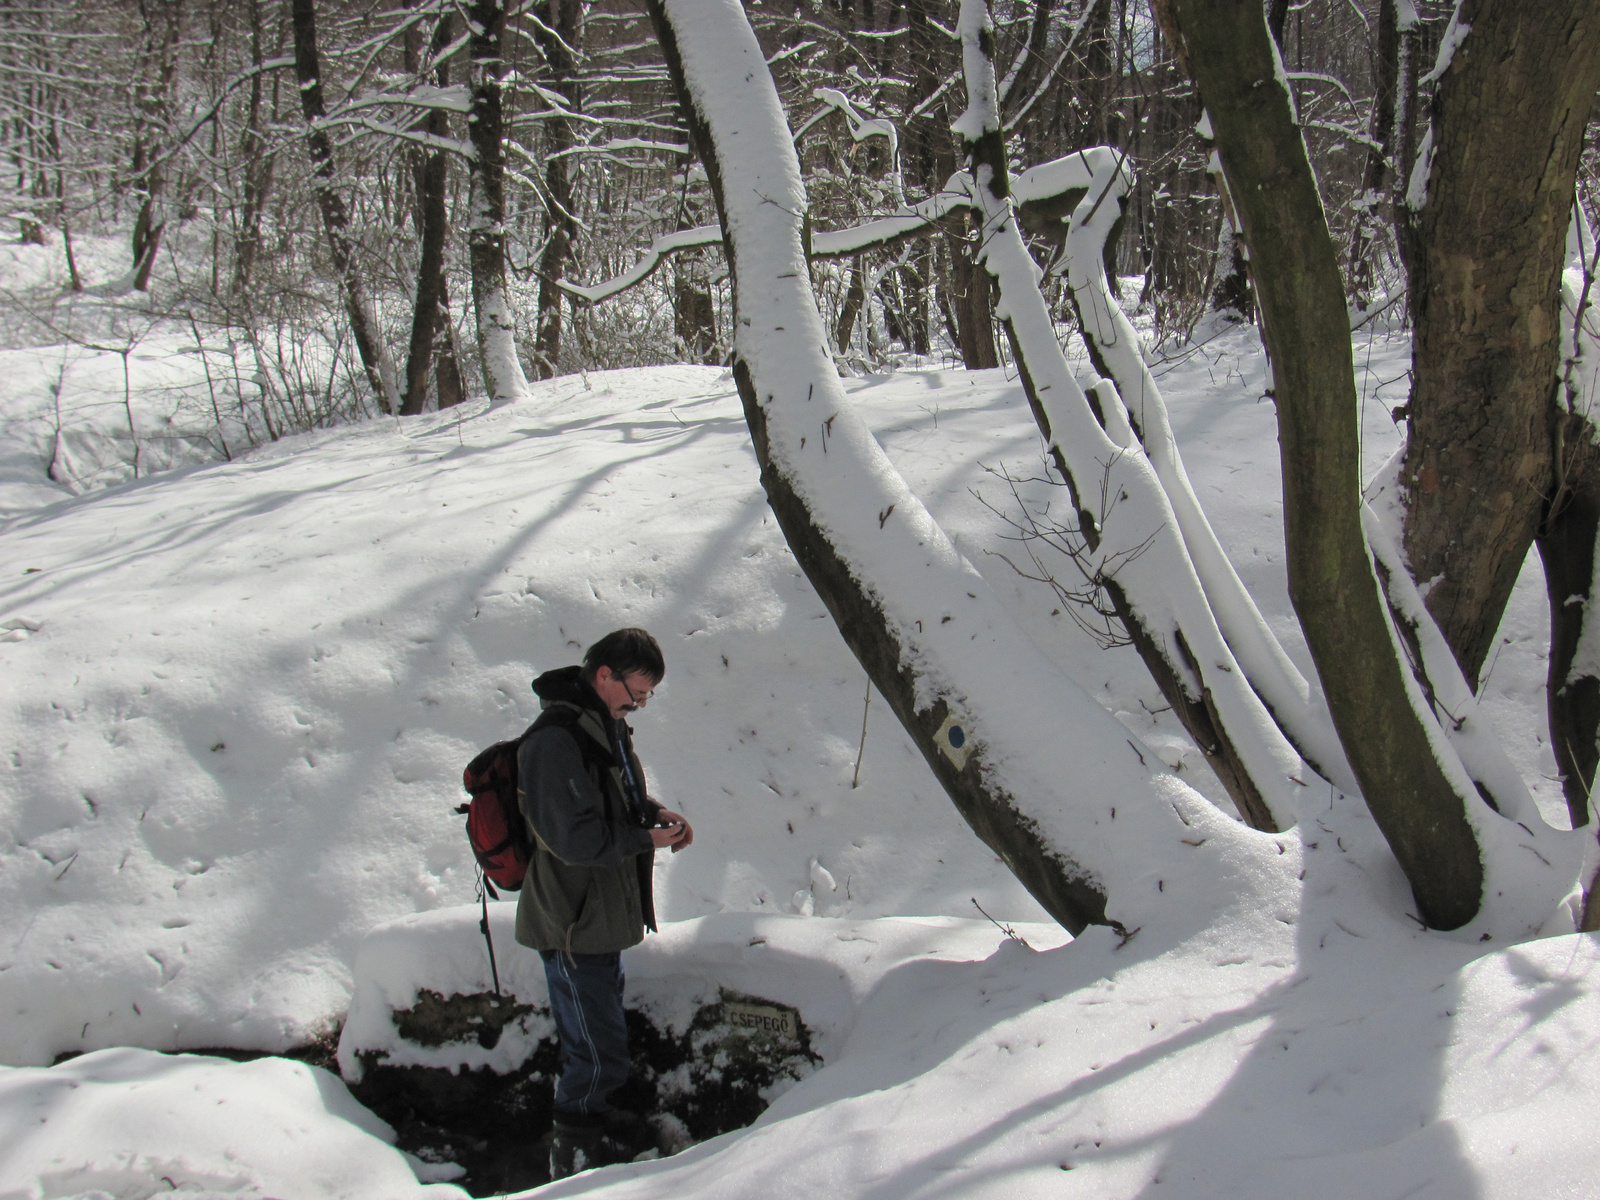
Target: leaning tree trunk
{"points": [[486, 238], [1133, 549], [335, 217], [1087, 819], [1490, 245], [1420, 809]]}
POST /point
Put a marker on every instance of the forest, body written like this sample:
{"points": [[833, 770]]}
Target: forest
{"points": [[190, 125], [514, 192], [320, 222]]}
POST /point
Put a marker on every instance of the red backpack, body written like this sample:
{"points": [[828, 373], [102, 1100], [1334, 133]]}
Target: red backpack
{"points": [[495, 827]]}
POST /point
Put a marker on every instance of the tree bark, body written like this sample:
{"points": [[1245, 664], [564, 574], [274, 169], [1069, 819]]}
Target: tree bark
{"points": [[1331, 578], [853, 298], [971, 301], [694, 317], [1508, 122], [1375, 173], [558, 34], [430, 168], [1567, 545], [335, 217], [150, 224], [1567, 549], [491, 297], [257, 164], [449, 388]]}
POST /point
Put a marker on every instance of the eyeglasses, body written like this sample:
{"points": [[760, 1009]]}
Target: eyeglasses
{"points": [[638, 701]]}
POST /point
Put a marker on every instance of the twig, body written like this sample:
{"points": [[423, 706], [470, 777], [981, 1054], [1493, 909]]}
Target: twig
{"points": [[1005, 929], [855, 780]]}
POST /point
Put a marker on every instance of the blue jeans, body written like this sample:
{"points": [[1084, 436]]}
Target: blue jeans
{"points": [[586, 1003]]}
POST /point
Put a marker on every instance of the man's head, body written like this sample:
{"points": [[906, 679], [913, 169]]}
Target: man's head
{"points": [[624, 668]]}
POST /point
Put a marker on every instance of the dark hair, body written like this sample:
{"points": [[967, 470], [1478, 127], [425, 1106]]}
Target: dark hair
{"points": [[625, 651]]}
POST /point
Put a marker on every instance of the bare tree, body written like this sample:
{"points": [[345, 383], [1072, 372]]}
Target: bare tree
{"points": [[486, 237], [335, 218], [430, 323]]}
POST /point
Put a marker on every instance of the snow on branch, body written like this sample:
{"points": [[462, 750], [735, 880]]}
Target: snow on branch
{"points": [[615, 145], [1114, 346], [455, 98], [660, 249], [1454, 34], [1127, 520], [1036, 185]]}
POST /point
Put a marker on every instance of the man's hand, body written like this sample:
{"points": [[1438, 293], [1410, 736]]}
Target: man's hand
{"points": [[673, 831]]}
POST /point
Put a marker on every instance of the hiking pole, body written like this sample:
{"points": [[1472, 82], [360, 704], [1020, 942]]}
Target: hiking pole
{"points": [[483, 924]]}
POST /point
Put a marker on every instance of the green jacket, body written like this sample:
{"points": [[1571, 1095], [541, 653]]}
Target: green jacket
{"points": [[587, 890]]}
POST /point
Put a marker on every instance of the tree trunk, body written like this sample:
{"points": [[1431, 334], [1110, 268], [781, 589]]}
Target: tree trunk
{"points": [[970, 300], [887, 572], [152, 103], [1331, 576], [335, 219], [486, 238], [1567, 545], [430, 168], [449, 389], [257, 164], [150, 224], [1567, 549], [694, 317], [853, 297], [1386, 79], [1148, 576], [1508, 122], [1407, 123], [558, 33]]}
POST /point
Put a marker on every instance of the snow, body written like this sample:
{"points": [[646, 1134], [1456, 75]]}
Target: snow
{"points": [[132, 1123], [825, 967], [348, 615], [1140, 538], [1580, 388], [1454, 34], [1295, 702], [1417, 181]]}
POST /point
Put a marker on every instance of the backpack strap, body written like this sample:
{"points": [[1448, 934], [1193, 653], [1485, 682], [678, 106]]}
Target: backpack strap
{"points": [[563, 716]]}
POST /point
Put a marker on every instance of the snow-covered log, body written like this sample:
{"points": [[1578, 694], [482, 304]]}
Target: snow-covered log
{"points": [[1088, 819]]}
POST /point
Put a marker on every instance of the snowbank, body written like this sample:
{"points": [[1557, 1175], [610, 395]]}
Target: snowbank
{"points": [[824, 968], [132, 1123]]}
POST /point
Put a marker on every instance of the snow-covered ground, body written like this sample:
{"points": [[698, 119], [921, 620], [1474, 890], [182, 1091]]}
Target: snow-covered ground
{"points": [[239, 697]]}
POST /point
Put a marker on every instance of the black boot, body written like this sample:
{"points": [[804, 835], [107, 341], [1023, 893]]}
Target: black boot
{"points": [[575, 1144], [626, 1135]]}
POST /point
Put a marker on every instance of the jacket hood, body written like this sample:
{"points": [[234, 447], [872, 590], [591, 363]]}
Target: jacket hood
{"points": [[567, 685]]}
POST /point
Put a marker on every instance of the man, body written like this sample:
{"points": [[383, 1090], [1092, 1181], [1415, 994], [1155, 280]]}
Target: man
{"points": [[587, 894]]}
